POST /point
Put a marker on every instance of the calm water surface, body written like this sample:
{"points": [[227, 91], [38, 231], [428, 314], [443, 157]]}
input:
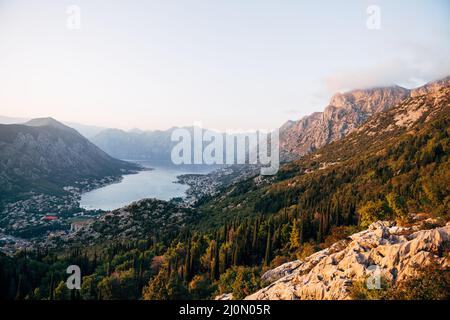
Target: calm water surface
{"points": [[158, 183]]}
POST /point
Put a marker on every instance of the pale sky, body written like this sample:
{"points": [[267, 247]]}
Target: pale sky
{"points": [[231, 64]]}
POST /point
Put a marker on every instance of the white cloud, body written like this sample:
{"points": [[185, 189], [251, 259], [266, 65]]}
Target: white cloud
{"points": [[416, 66]]}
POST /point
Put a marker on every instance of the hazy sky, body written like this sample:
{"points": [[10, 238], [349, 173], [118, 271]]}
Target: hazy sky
{"points": [[237, 64]]}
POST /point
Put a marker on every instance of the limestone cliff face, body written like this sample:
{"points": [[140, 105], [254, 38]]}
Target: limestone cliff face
{"points": [[345, 112], [397, 252]]}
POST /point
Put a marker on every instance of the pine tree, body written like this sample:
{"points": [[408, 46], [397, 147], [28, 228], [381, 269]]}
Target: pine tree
{"points": [[187, 259], [268, 254], [215, 269], [19, 285], [52, 286]]}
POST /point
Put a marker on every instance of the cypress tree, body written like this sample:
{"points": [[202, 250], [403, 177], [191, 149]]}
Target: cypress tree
{"points": [[215, 269], [268, 249]]}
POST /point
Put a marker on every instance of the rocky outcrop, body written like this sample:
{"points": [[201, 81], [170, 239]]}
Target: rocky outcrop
{"points": [[281, 271], [346, 112], [431, 88], [393, 252], [225, 296]]}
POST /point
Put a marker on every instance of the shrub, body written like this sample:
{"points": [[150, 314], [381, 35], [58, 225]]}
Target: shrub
{"points": [[241, 281], [200, 287], [373, 211], [431, 283]]}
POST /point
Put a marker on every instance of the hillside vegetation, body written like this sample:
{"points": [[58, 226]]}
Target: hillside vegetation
{"points": [[395, 164]]}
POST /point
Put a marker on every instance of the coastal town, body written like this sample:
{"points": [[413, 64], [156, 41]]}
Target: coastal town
{"points": [[39, 216], [208, 185]]}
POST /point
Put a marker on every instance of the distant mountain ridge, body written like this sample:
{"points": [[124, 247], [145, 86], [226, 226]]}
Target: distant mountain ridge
{"points": [[49, 122], [137, 145], [153, 146], [85, 130], [344, 113], [44, 155]]}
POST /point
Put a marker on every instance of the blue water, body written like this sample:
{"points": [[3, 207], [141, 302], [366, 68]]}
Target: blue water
{"points": [[158, 183]]}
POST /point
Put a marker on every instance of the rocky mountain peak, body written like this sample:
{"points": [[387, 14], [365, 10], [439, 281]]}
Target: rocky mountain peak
{"points": [[346, 112], [370, 100], [431, 88], [48, 122]]}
